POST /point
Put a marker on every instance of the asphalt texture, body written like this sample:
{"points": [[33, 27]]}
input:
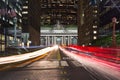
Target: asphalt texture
{"points": [[55, 66]]}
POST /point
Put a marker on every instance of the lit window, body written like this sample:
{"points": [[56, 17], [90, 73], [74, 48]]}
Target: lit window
{"points": [[94, 37], [89, 43], [83, 14], [25, 7], [25, 12], [3, 37], [94, 26], [20, 20], [11, 38], [17, 0], [10, 22], [61, 5], [26, 1], [3, 0], [3, 47], [20, 14], [0, 37], [95, 15], [95, 11], [7, 2], [95, 32], [3, 18]]}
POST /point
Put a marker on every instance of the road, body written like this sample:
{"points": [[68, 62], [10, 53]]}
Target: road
{"points": [[55, 66]]}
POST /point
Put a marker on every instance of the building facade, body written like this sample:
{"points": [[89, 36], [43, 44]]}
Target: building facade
{"points": [[108, 9], [107, 12], [47, 12], [68, 12], [88, 22], [58, 36], [31, 20], [10, 22]]}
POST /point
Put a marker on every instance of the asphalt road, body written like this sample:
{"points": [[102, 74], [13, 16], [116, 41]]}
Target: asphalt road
{"points": [[55, 66]]}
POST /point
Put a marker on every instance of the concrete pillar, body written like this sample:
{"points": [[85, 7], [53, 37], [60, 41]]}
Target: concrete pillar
{"points": [[46, 41], [68, 40], [62, 40], [55, 40], [52, 40]]}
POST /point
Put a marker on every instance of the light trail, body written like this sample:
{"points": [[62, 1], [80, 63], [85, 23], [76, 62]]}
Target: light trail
{"points": [[27, 56], [111, 54], [108, 69]]}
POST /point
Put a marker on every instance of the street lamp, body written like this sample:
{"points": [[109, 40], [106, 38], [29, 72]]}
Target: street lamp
{"points": [[15, 29], [114, 20]]}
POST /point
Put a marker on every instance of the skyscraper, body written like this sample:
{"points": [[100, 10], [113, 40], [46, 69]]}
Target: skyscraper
{"points": [[88, 22], [9, 9]]}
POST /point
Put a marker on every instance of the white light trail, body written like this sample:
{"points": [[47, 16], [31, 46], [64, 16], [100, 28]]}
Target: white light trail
{"points": [[27, 56]]}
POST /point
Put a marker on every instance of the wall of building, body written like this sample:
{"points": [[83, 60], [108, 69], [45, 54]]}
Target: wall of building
{"points": [[87, 22], [106, 12], [31, 20], [8, 10]]}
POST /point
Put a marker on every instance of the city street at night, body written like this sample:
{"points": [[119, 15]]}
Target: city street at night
{"points": [[59, 39], [58, 66]]}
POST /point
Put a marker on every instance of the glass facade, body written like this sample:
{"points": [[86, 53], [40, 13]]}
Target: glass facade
{"points": [[9, 9]]}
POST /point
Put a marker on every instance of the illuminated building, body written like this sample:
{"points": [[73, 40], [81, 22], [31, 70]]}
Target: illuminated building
{"points": [[31, 21], [82, 14], [64, 12], [107, 10], [58, 35], [95, 21], [88, 22], [8, 10], [47, 13], [68, 12]]}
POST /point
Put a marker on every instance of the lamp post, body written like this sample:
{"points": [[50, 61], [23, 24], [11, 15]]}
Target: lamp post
{"points": [[114, 20], [15, 29]]}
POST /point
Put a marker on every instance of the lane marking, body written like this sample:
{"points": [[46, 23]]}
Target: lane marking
{"points": [[59, 56]]}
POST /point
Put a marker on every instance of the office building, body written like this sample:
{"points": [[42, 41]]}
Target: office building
{"points": [[10, 23], [108, 9], [88, 22]]}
